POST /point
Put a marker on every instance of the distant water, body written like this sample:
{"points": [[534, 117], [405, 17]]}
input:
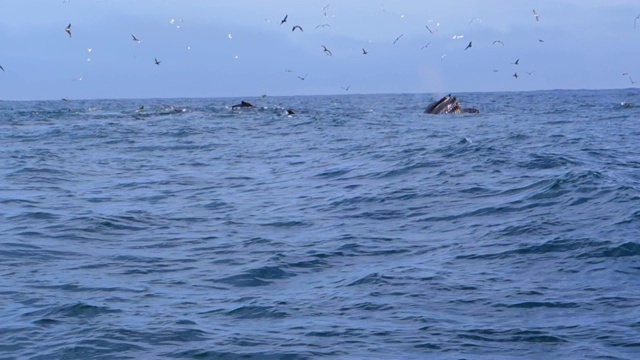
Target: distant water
{"points": [[358, 228]]}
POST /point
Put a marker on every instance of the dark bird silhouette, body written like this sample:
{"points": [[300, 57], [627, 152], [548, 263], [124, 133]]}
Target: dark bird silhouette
{"points": [[497, 42], [135, 38], [516, 62], [68, 30], [635, 20], [515, 75], [468, 46], [535, 14], [284, 20], [303, 77], [327, 51], [540, 40], [1, 68], [296, 27], [398, 38], [425, 46], [323, 25], [346, 88], [157, 61], [364, 52], [430, 31]]}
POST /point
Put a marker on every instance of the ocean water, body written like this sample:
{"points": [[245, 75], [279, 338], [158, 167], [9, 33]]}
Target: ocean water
{"points": [[357, 228]]}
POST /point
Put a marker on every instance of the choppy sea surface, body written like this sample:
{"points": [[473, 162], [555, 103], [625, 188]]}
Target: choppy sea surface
{"points": [[357, 228]]}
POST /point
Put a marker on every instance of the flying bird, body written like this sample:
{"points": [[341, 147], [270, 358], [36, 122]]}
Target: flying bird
{"points": [[327, 51], [535, 14], [364, 52], [157, 61], [473, 19], [530, 72], [425, 46], [516, 62], [68, 30], [468, 46], [635, 20], [303, 77], [135, 38], [398, 38], [323, 25], [296, 27], [346, 88], [1, 68], [497, 42], [284, 20], [515, 75], [430, 31]]}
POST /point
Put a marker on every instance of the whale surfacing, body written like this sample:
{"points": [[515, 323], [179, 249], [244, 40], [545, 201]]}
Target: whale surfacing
{"points": [[449, 105], [243, 104]]}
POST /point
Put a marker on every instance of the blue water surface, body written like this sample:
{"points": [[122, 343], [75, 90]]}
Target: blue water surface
{"points": [[357, 228]]}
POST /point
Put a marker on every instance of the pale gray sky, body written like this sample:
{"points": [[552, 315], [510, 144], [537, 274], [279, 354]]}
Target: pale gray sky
{"points": [[587, 44]]}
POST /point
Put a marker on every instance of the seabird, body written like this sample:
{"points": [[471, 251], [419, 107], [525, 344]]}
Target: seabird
{"points": [[530, 72], [473, 19], [303, 77], [431, 31], [540, 40], [364, 52], [468, 46], [323, 25], [425, 46], [535, 14], [1, 68], [296, 27], [515, 75], [347, 88], [157, 61], [517, 62], [497, 42], [284, 20], [135, 38], [327, 51], [635, 20], [68, 30], [398, 38]]}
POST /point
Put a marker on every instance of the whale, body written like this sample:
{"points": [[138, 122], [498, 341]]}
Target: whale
{"points": [[449, 105], [243, 104]]}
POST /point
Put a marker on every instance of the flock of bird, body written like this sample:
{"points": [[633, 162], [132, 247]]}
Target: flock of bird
{"points": [[432, 27], [432, 30]]}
